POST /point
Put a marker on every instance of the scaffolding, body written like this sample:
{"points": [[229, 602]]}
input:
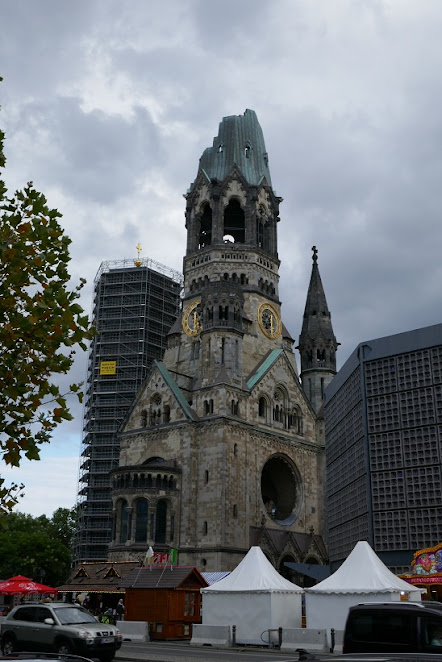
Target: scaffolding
{"points": [[134, 308]]}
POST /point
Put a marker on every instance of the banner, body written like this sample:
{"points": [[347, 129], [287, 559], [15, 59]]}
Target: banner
{"points": [[108, 367]]}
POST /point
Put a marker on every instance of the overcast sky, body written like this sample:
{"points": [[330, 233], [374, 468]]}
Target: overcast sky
{"points": [[108, 105]]}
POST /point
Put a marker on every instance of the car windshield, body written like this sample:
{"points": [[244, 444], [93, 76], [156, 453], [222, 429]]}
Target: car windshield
{"points": [[73, 615]]}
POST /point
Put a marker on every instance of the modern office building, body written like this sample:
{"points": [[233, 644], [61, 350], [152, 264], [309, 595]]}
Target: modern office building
{"points": [[135, 304], [383, 418]]}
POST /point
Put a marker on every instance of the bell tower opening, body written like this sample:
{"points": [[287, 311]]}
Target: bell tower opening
{"points": [[234, 222], [205, 235]]}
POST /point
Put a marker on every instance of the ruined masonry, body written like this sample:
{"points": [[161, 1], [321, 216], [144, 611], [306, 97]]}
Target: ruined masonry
{"points": [[223, 447]]}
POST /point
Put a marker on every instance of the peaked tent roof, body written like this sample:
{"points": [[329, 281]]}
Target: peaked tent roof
{"points": [[254, 574], [361, 572]]}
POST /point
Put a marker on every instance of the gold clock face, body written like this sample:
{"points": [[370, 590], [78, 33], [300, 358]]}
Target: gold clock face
{"points": [[192, 319], [269, 321]]}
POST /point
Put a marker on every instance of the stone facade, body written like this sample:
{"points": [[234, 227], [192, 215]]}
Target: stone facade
{"points": [[222, 447]]}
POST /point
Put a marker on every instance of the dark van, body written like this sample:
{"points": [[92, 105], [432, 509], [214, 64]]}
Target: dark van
{"points": [[394, 627]]}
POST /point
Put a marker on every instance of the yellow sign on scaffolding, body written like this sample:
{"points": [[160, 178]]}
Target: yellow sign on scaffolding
{"points": [[108, 367]]}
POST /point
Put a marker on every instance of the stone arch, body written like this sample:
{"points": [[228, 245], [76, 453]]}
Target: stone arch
{"points": [[234, 221], [280, 404], [264, 407], [141, 514], [281, 489], [296, 420], [155, 409], [205, 229], [166, 413], [122, 509], [161, 514]]}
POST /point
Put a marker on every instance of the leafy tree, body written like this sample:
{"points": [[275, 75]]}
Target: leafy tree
{"points": [[63, 525], [41, 324], [36, 547]]}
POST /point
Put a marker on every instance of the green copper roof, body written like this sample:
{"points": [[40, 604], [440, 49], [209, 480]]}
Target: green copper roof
{"points": [[175, 389], [239, 142], [262, 369]]}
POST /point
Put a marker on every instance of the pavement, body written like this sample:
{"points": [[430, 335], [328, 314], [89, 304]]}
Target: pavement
{"points": [[182, 651]]}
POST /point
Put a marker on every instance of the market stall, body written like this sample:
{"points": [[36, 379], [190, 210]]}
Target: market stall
{"points": [[22, 587], [361, 578], [426, 572], [255, 598]]}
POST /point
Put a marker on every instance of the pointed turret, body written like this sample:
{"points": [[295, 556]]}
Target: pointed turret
{"points": [[317, 342]]}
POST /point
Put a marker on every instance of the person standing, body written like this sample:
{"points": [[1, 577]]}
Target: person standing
{"points": [[120, 610]]}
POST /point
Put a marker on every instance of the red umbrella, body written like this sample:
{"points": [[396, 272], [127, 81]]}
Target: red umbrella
{"points": [[20, 584]]}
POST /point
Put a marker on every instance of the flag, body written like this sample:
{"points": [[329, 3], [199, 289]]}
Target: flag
{"points": [[148, 558], [173, 556]]}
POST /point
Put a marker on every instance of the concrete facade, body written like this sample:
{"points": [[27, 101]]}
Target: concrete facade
{"points": [[383, 416]]}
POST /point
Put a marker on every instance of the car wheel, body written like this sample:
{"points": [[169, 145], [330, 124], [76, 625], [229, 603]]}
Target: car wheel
{"points": [[107, 658], [64, 647], [8, 646]]}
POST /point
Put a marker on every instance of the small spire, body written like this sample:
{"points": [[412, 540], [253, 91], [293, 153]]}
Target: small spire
{"points": [[315, 254]]}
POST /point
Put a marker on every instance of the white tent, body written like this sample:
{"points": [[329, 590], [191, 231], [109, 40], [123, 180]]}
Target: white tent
{"points": [[361, 578], [255, 598]]}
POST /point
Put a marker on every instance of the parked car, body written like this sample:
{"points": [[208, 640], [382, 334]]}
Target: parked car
{"points": [[58, 627], [394, 627]]}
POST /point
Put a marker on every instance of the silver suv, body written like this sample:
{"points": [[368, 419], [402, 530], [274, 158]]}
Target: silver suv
{"points": [[59, 627]]}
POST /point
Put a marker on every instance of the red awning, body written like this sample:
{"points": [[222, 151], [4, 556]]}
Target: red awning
{"points": [[24, 585]]}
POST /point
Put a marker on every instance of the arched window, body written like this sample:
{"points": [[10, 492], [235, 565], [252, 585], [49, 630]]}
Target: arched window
{"points": [[262, 407], [124, 520], [206, 476], [205, 529], [161, 522], [166, 414], [235, 511], [234, 221], [144, 418], [141, 519], [279, 406], [260, 233], [295, 420], [205, 236]]}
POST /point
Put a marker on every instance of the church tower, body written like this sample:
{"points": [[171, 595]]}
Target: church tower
{"points": [[221, 450], [317, 342]]}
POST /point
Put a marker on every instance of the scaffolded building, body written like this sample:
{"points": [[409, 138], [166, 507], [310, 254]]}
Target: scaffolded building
{"points": [[135, 304]]}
